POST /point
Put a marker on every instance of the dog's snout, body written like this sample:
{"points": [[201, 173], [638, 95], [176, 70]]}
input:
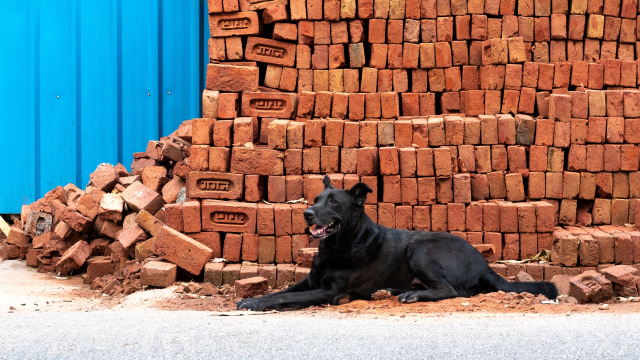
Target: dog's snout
{"points": [[308, 215]]}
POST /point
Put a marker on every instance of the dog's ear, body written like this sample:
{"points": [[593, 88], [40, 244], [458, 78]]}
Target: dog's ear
{"points": [[327, 183], [359, 192]]}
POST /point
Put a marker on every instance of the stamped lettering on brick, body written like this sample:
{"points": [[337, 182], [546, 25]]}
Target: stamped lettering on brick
{"points": [[276, 105], [214, 185], [233, 218], [270, 51], [230, 216], [267, 104], [234, 24]]}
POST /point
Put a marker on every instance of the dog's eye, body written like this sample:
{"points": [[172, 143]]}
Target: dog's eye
{"points": [[332, 201]]}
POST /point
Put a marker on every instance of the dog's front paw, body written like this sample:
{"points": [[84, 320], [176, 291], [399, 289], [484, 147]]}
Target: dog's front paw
{"points": [[251, 304], [408, 297]]}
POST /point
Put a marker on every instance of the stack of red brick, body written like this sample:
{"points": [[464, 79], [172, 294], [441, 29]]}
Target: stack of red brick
{"points": [[394, 93], [497, 120]]}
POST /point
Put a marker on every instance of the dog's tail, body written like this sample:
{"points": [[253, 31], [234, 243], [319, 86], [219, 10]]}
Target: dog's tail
{"points": [[494, 282]]}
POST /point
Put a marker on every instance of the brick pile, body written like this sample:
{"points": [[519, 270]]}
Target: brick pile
{"points": [[513, 124]]}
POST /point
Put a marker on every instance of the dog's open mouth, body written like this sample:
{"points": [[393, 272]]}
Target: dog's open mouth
{"points": [[318, 231]]}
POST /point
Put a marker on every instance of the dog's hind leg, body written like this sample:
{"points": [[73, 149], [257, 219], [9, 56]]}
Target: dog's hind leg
{"points": [[430, 283], [438, 291]]}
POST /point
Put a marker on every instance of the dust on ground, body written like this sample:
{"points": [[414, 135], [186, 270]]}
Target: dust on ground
{"points": [[23, 289]]}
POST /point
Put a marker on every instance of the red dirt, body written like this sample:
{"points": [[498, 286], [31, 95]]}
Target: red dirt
{"points": [[499, 302], [24, 289]]}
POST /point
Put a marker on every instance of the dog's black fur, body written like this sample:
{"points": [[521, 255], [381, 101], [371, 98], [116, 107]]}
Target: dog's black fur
{"points": [[357, 257]]}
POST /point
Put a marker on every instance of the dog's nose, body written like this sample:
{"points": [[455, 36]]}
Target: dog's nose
{"points": [[308, 215]]}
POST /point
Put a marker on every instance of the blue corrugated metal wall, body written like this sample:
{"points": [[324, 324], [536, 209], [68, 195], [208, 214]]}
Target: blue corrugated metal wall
{"points": [[86, 82]]}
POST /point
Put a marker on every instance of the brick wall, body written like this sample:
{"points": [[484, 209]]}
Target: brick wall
{"points": [[495, 120]]}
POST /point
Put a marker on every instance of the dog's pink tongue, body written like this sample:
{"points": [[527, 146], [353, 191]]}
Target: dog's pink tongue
{"points": [[318, 230]]}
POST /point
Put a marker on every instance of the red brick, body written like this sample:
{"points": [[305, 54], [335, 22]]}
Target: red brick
{"points": [[492, 77], [483, 159], [306, 104], [283, 250], [490, 217], [631, 106], [537, 185], [386, 215], [604, 185], [497, 187], [619, 211], [367, 161], [590, 286], [456, 217], [587, 186], [462, 188], [228, 216], [139, 197], [495, 239], [256, 161], [210, 240], [515, 187], [404, 217], [454, 130], [499, 158], [629, 72], [508, 217], [158, 274], [170, 244], [227, 109], [568, 210], [391, 192], [214, 185], [270, 51], [173, 219], [450, 102], [479, 187], [511, 247], [614, 103], [311, 160], [629, 155], [611, 157], [577, 160], [237, 23], [444, 190], [294, 187], [620, 185], [562, 134], [553, 185], [268, 104], [232, 248], [231, 78], [466, 158], [545, 218], [409, 190], [407, 162], [292, 164], [560, 107]]}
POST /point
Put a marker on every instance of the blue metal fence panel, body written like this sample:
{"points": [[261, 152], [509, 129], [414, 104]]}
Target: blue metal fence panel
{"points": [[99, 86], [17, 101], [90, 82], [180, 85], [58, 95]]}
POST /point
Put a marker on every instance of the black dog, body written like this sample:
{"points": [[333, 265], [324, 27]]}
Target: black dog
{"points": [[357, 257]]}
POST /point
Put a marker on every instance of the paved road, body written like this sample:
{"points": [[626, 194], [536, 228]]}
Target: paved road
{"points": [[146, 334]]}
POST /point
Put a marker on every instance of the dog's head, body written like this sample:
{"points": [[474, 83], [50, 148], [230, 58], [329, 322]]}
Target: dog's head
{"points": [[335, 209]]}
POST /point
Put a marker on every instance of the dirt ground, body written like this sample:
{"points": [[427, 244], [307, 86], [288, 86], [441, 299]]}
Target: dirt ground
{"points": [[23, 289]]}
